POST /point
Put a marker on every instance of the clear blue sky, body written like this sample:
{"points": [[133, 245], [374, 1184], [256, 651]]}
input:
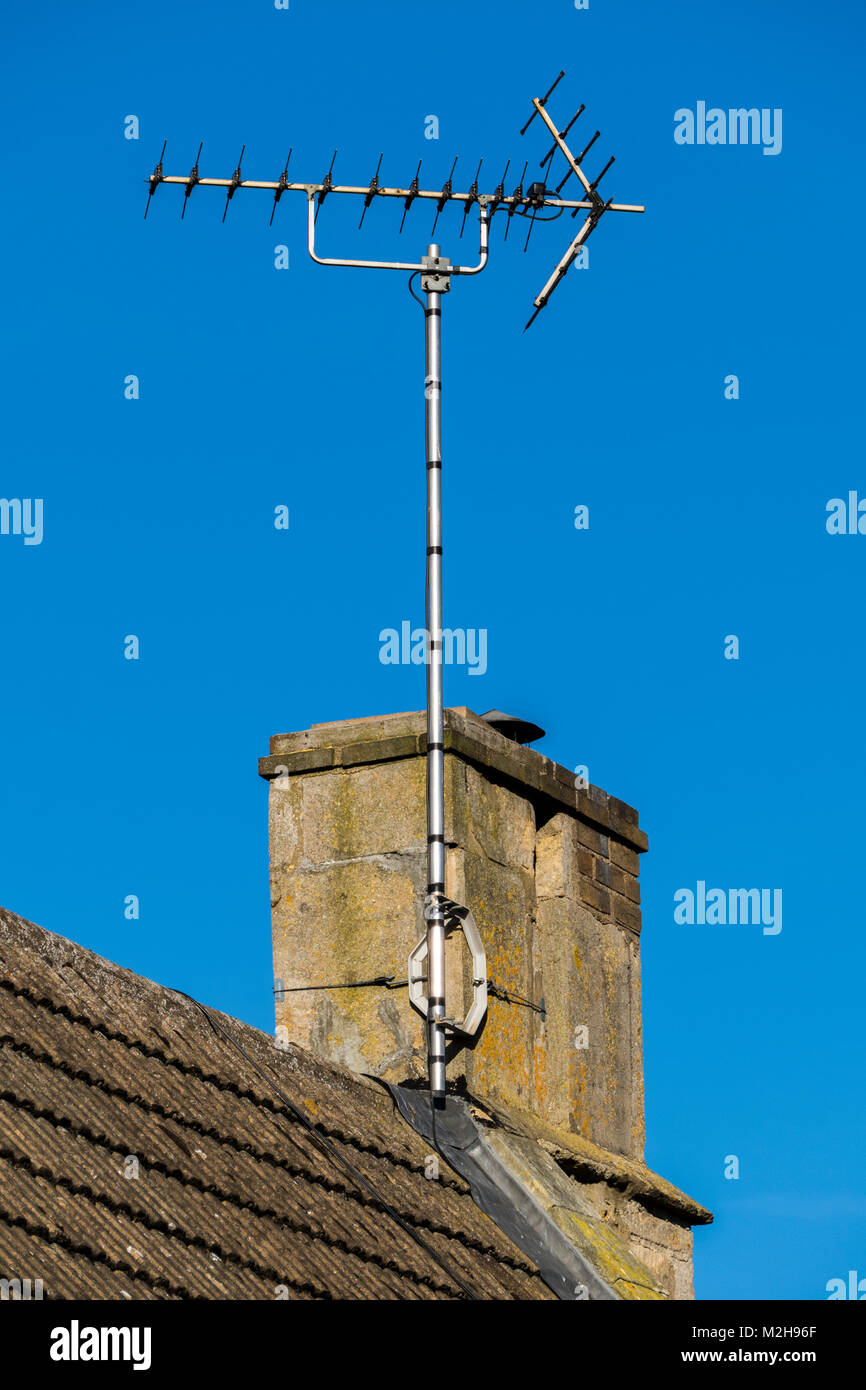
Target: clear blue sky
{"points": [[261, 387]]}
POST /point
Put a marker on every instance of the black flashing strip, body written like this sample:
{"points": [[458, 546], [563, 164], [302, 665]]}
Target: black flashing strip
{"points": [[438, 839], [435, 887], [434, 550], [501, 1196], [434, 463], [435, 747], [433, 313]]}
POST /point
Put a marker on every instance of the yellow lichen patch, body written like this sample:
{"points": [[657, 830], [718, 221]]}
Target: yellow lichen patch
{"points": [[609, 1256]]}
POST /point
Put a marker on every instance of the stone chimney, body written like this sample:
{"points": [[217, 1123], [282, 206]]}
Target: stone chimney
{"points": [[548, 868]]}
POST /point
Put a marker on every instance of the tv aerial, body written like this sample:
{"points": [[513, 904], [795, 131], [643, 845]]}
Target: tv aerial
{"points": [[540, 201]]}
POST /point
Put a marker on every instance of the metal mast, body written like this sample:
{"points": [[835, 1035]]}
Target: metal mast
{"points": [[435, 712], [442, 915]]}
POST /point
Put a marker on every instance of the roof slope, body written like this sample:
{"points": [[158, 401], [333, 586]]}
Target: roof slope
{"points": [[104, 1074]]}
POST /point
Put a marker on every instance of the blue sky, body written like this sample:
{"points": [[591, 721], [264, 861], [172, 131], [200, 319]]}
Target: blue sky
{"points": [[261, 387]]}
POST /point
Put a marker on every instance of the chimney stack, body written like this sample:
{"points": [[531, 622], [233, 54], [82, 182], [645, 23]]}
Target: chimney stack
{"points": [[549, 869]]}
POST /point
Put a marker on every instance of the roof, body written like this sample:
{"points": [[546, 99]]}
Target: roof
{"points": [[145, 1153]]}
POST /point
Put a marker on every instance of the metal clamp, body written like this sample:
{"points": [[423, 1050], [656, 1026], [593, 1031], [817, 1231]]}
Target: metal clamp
{"points": [[456, 917], [436, 276]]}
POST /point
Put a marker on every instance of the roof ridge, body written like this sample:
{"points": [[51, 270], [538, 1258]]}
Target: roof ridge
{"points": [[20, 932]]}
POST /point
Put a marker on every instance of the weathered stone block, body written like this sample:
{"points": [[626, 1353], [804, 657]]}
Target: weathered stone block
{"points": [[351, 921], [624, 857], [556, 853], [594, 896], [499, 1061], [592, 839], [347, 814], [499, 824], [589, 1067], [625, 914]]}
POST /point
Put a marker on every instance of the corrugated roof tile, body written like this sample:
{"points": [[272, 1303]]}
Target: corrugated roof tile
{"points": [[233, 1195]]}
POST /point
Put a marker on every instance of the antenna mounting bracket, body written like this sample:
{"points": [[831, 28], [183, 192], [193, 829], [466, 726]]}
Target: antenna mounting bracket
{"points": [[436, 278], [456, 918]]}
